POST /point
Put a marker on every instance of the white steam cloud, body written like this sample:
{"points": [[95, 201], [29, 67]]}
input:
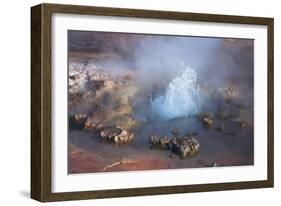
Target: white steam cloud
{"points": [[169, 67], [182, 97]]}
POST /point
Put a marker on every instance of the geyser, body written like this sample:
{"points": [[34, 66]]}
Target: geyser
{"points": [[181, 98]]}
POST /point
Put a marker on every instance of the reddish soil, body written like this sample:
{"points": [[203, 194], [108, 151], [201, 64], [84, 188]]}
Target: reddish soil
{"points": [[81, 161]]}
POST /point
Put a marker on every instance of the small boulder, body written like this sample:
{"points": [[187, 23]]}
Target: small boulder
{"points": [[124, 137], [186, 146], [77, 121], [116, 135], [214, 164], [175, 132], [160, 142], [220, 128], [207, 119], [243, 125]]}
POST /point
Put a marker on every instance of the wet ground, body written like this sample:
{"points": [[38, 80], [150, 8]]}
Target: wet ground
{"points": [[232, 147]]}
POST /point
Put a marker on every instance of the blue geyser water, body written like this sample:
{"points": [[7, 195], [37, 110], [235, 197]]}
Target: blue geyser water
{"points": [[182, 97]]}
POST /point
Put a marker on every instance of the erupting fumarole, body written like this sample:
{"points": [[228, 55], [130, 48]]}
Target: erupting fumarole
{"points": [[182, 96]]}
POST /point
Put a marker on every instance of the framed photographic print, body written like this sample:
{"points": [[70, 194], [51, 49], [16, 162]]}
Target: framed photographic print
{"points": [[132, 102]]}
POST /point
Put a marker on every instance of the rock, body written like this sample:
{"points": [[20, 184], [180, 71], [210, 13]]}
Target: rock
{"points": [[109, 84], [127, 77], [83, 77], [89, 124], [124, 137], [74, 99], [126, 122], [124, 109], [160, 142], [220, 128], [101, 94], [77, 121], [80, 116], [176, 132], [116, 135], [243, 125], [186, 146], [207, 119], [228, 93], [214, 164], [108, 133]]}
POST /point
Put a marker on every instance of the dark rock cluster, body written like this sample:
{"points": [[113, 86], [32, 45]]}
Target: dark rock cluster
{"points": [[160, 142], [182, 146], [116, 135], [185, 146], [77, 121]]}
